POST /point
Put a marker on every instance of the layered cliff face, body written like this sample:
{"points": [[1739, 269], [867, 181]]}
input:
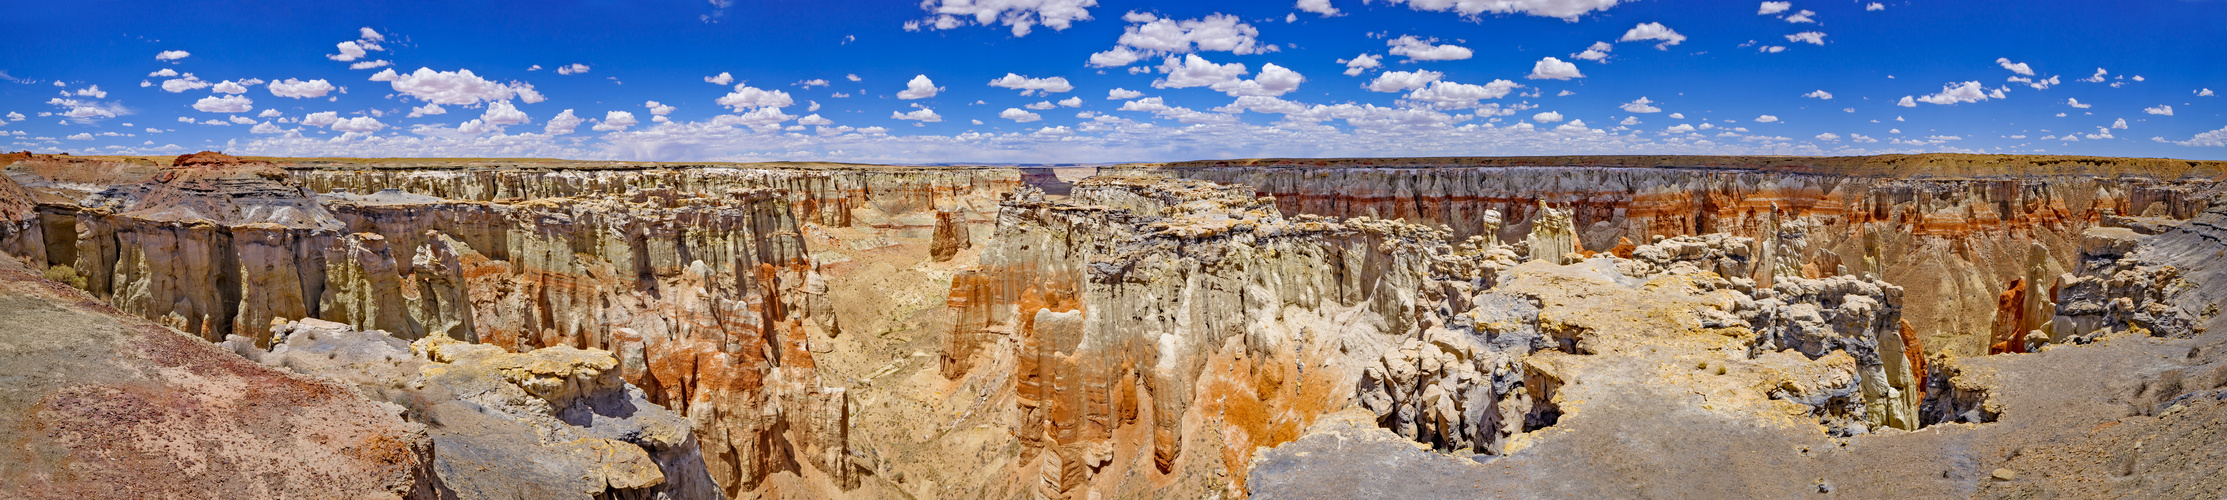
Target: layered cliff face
{"points": [[710, 298], [1183, 325], [2121, 399], [1953, 230]]}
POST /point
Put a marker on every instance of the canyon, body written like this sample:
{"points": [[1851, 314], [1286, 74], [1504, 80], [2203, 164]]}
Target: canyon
{"points": [[1914, 325]]}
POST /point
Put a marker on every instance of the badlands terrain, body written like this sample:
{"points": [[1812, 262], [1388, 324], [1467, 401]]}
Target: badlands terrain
{"points": [[1928, 326]]}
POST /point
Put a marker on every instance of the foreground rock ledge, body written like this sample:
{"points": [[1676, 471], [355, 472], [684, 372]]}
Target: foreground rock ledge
{"points": [[103, 405]]}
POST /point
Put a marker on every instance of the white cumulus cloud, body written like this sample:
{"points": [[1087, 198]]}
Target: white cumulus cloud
{"points": [[1547, 117], [229, 87], [184, 83], [1773, 8], [615, 121], [172, 55], [2019, 68], [1598, 52], [1766, 119], [300, 89], [1119, 93], [502, 113], [427, 110], [919, 88], [459, 87], [2159, 110], [1807, 37], [321, 119], [1361, 64], [1317, 6], [922, 114], [1568, 10], [1640, 106], [1017, 115], [1194, 71], [349, 51], [1272, 81], [1819, 94], [1955, 93], [746, 97], [1154, 36], [1653, 31], [2215, 138], [1451, 95], [1030, 86], [1021, 15], [723, 78], [563, 123], [225, 104], [1553, 69], [1395, 81], [1417, 49], [358, 124]]}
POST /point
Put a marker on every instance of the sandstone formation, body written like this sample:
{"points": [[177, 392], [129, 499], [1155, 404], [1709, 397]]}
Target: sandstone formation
{"points": [[1536, 327], [708, 297], [551, 423], [1960, 225]]}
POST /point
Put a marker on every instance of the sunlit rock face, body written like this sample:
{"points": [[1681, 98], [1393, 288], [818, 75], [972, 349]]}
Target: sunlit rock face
{"points": [[699, 280], [1952, 230]]}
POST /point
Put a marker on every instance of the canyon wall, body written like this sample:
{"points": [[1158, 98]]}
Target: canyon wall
{"points": [[1199, 312], [1953, 230], [700, 280]]}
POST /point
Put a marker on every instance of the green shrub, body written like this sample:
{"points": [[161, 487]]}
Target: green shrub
{"points": [[65, 274]]}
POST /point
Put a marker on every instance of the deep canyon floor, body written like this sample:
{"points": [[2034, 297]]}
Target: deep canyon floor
{"points": [[1934, 326]]}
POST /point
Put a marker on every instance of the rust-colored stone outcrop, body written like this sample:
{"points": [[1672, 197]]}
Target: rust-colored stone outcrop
{"points": [[2010, 314]]}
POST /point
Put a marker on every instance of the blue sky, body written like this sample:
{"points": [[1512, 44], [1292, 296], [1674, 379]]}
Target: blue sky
{"points": [[912, 82]]}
